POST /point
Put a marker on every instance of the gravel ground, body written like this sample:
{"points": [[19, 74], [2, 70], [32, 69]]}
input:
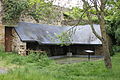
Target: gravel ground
{"points": [[3, 71], [75, 59]]}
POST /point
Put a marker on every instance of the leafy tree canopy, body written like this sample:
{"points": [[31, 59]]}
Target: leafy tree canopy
{"points": [[113, 21], [13, 9], [38, 9], [76, 13]]}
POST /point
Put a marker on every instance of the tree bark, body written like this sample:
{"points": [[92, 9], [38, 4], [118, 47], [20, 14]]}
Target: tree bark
{"points": [[100, 16], [105, 45]]}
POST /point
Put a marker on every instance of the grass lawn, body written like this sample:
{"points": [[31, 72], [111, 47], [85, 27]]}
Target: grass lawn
{"points": [[36, 67]]}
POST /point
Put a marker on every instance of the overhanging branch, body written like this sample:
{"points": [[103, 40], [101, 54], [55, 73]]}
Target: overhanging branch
{"points": [[90, 20]]}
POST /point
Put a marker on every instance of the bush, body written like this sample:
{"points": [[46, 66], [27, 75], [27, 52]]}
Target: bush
{"points": [[117, 35], [44, 61], [34, 57], [19, 60], [116, 48], [39, 59], [13, 9]]}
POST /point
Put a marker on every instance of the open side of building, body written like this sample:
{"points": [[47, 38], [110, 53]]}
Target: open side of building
{"points": [[29, 36]]}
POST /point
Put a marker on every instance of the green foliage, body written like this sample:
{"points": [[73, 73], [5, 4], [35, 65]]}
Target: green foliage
{"points": [[34, 57], [117, 34], [113, 21], [40, 10], [1, 48], [116, 48], [64, 38], [40, 59], [18, 60], [13, 9], [93, 70], [77, 13]]}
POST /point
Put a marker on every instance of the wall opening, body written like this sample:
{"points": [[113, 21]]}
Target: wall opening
{"points": [[57, 50], [8, 39]]}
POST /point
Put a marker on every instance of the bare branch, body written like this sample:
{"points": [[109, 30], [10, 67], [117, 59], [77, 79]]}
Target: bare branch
{"points": [[79, 19], [90, 21], [97, 10], [102, 7]]}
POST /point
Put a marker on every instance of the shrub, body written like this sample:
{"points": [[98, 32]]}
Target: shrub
{"points": [[19, 60], [117, 35], [39, 59], [116, 48], [34, 57]]}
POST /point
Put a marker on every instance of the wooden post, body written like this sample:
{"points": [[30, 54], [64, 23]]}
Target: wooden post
{"points": [[89, 53]]}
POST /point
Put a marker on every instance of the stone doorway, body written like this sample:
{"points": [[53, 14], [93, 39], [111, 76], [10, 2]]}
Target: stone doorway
{"points": [[8, 39]]}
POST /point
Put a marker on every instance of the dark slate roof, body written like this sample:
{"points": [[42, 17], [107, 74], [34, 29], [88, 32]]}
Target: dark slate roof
{"points": [[46, 34]]}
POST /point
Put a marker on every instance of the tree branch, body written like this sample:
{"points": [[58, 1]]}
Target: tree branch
{"points": [[90, 21], [79, 19], [97, 10]]}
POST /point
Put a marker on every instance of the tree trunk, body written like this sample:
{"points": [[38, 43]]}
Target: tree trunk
{"points": [[100, 16], [106, 52], [107, 58]]}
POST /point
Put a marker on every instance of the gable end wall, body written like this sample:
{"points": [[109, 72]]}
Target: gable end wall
{"points": [[17, 45]]}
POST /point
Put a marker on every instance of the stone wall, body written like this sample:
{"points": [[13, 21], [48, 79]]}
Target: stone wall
{"points": [[98, 50], [53, 19], [17, 45], [2, 30], [2, 36], [30, 19], [27, 18], [1, 12]]}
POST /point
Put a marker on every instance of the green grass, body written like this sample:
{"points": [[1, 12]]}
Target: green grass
{"points": [[39, 67]]}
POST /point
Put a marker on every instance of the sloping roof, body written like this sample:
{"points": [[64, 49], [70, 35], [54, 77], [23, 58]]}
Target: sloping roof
{"points": [[46, 34]]}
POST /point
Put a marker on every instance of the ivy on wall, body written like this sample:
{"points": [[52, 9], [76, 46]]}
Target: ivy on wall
{"points": [[38, 9], [13, 9]]}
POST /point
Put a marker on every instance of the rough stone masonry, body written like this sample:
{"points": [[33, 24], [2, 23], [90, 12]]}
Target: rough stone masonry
{"points": [[2, 30]]}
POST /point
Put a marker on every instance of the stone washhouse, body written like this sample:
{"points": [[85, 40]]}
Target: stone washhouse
{"points": [[29, 36]]}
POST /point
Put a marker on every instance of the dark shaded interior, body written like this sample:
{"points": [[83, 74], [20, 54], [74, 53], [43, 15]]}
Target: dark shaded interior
{"points": [[57, 50], [8, 39]]}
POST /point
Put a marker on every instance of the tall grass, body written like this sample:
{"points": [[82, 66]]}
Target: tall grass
{"points": [[39, 67], [1, 48]]}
